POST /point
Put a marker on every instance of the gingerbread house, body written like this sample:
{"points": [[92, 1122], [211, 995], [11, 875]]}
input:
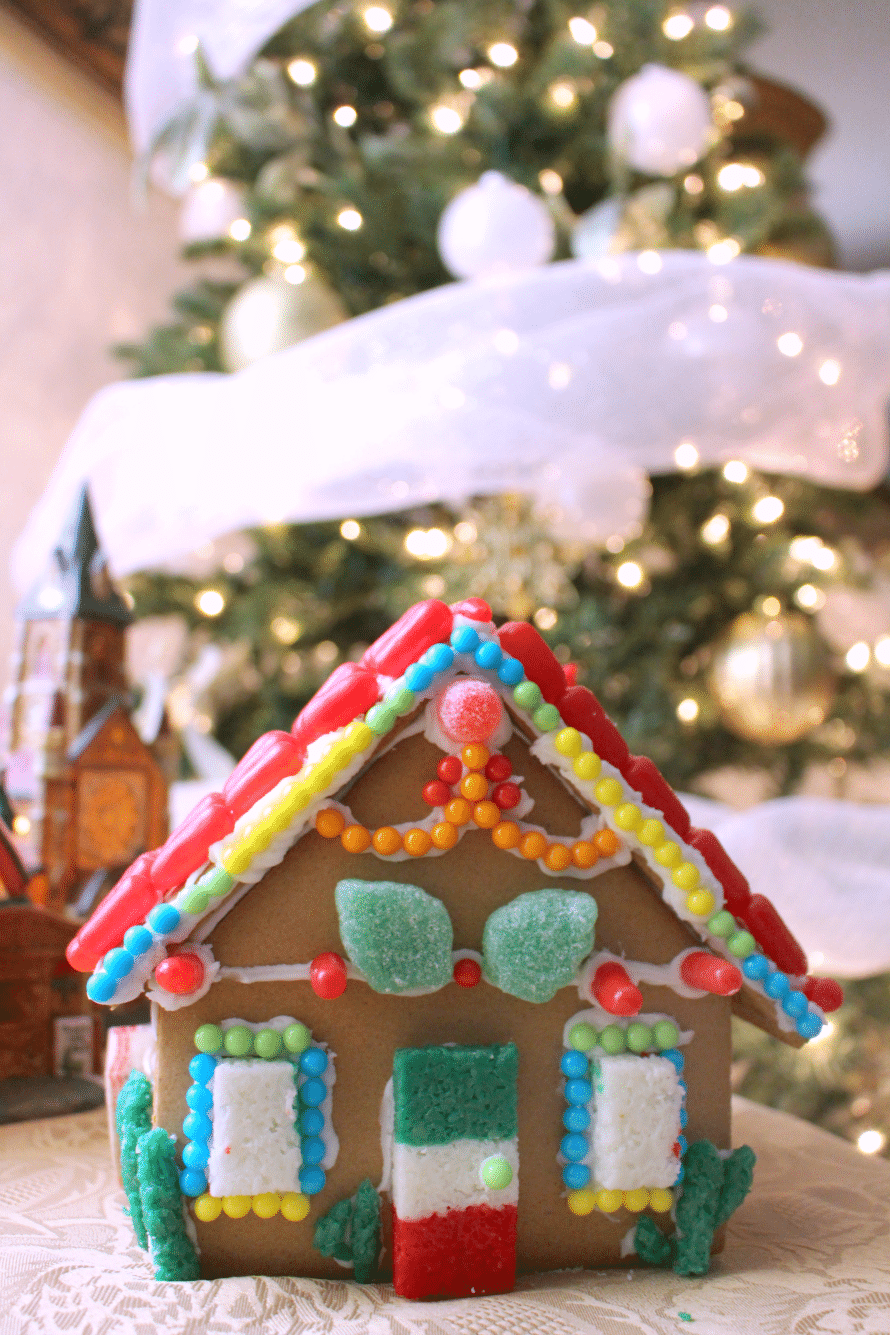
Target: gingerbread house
{"points": [[442, 983]]}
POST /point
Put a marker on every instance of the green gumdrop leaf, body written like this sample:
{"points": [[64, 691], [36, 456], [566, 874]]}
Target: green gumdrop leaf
{"points": [[533, 946], [738, 1174], [398, 935], [696, 1210]]}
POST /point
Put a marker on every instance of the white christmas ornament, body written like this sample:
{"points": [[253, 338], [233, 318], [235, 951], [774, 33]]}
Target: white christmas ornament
{"points": [[209, 209], [660, 121], [495, 226], [267, 315]]}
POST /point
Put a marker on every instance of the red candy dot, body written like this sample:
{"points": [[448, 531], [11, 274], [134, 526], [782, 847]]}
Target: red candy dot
{"points": [[506, 796], [469, 710], [436, 794], [180, 973], [327, 974], [450, 768], [498, 769], [467, 973]]}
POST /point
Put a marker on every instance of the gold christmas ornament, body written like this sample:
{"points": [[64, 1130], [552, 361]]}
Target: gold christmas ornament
{"points": [[268, 314], [771, 678]]}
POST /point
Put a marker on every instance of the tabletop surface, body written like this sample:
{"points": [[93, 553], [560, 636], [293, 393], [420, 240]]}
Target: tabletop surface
{"points": [[807, 1254]]}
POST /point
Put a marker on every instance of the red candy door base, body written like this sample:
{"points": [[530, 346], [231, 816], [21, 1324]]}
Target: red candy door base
{"points": [[455, 1171]]}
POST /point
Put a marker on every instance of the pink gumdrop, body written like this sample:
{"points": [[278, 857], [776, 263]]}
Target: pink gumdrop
{"points": [[469, 711]]}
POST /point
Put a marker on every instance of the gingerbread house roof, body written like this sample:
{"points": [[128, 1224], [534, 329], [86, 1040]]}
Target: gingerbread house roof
{"points": [[233, 837]]}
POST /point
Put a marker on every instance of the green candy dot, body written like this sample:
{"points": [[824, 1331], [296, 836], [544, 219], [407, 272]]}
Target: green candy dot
{"points": [[238, 1041], [582, 1037], [666, 1035], [381, 719], [195, 901], [722, 924], [267, 1043], [741, 944], [216, 882], [527, 695], [612, 1039], [296, 1037], [401, 701], [639, 1037], [496, 1172], [546, 718], [209, 1038]]}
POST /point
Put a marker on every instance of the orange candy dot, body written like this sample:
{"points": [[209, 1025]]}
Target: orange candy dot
{"points": [[386, 840], [458, 812], [355, 839], [444, 835], [607, 842], [475, 756], [558, 857], [584, 854], [474, 787], [533, 845], [506, 834], [329, 823], [486, 815], [417, 842]]}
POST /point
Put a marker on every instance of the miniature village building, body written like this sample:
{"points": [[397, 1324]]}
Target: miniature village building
{"points": [[442, 984]]}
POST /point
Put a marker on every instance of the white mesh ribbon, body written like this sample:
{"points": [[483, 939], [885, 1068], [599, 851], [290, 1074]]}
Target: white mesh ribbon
{"points": [[571, 381]]}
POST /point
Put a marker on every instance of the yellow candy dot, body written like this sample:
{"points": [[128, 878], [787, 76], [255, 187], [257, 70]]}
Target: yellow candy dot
{"points": [[686, 876], [668, 855], [636, 1200], [239, 858], [294, 1206], [267, 1204], [569, 742], [587, 765], [609, 1201], [297, 799], [702, 903], [236, 1207], [608, 792], [628, 816], [651, 833], [582, 1201], [359, 736], [208, 1208], [660, 1199]]}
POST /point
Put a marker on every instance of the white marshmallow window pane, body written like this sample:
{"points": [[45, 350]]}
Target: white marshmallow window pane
{"points": [[571, 379]]}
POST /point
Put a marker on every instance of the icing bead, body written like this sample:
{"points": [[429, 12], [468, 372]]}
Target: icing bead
{"points": [[587, 766], [266, 1205], [613, 989], [296, 1037], [439, 658], [496, 1172], [313, 1061], [533, 845], [312, 1180], [386, 841], [449, 769], [201, 1068], [583, 1036], [118, 963], [711, 974], [639, 1037], [569, 742], [464, 640], [474, 787], [576, 1175], [722, 924], [576, 1119], [475, 755], [330, 823], [683, 1144], [313, 1150], [467, 973], [194, 901], [311, 1122], [506, 834], [609, 1201], [741, 944], [436, 793], [498, 769], [355, 839], [327, 974], [756, 967], [668, 854], [606, 842], [489, 656], [528, 696], [581, 1202], [628, 816], [381, 719], [507, 796], [546, 718], [164, 918], [180, 974], [809, 1026], [574, 1065], [197, 1126], [313, 1092], [612, 1039], [199, 1098], [100, 987], [295, 1206], [578, 1091], [700, 903], [458, 811], [558, 857], [419, 676], [138, 940], [574, 1146], [358, 737], [675, 1056], [684, 1118], [636, 1200], [402, 700], [795, 1005], [236, 1207], [665, 1033], [608, 792], [192, 1182], [776, 985], [686, 876], [417, 842], [444, 835], [651, 833], [238, 1041], [268, 1044], [511, 672], [195, 1153], [584, 854], [208, 1208]]}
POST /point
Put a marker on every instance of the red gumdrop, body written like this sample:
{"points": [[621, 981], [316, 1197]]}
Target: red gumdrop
{"points": [[506, 796], [825, 993], [522, 641], [327, 974], [417, 630], [570, 672], [272, 758], [126, 904], [613, 989], [450, 768], [436, 793], [180, 973], [469, 710], [498, 769], [644, 775], [467, 973], [580, 709], [474, 609], [711, 974], [774, 938], [735, 887], [186, 849], [350, 690]]}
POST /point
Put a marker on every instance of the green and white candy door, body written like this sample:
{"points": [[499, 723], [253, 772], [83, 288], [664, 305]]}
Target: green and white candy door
{"points": [[455, 1171]]}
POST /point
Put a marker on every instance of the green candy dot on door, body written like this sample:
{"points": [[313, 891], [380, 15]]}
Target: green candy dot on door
{"points": [[496, 1172]]}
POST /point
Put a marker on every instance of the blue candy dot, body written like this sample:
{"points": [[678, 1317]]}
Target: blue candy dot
{"points": [[313, 1061], [312, 1180], [573, 1064], [198, 1098], [313, 1150], [101, 987], [511, 672], [138, 940], [576, 1119], [439, 658], [465, 640], [681, 1173], [196, 1154], [313, 1092], [576, 1175], [196, 1126], [118, 963], [675, 1056], [163, 918], [683, 1143], [201, 1068], [795, 1005], [755, 966], [311, 1122], [809, 1026], [489, 655], [578, 1091], [681, 1083], [192, 1182], [574, 1146], [419, 676], [684, 1117], [777, 985]]}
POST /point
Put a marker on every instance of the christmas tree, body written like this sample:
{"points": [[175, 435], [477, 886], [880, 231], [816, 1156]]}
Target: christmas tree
{"points": [[324, 171]]}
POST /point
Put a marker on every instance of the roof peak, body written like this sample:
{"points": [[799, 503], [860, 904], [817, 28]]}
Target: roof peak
{"points": [[76, 583]]}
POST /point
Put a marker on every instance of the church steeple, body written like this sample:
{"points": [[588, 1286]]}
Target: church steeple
{"points": [[76, 584]]}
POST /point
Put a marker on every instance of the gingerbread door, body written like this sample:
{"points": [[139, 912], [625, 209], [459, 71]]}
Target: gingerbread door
{"points": [[455, 1171]]}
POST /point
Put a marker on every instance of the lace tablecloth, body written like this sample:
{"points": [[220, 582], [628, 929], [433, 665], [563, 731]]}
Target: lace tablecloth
{"points": [[807, 1254]]}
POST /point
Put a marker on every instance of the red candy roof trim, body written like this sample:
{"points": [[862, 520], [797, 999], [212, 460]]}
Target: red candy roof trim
{"points": [[127, 904]]}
